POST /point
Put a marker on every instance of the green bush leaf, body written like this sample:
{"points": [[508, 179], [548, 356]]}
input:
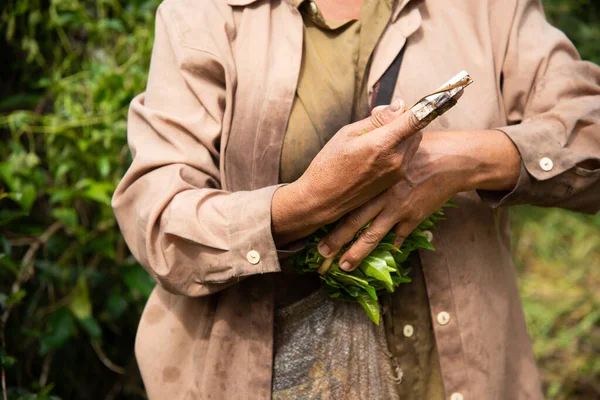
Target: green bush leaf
{"points": [[138, 281], [25, 197], [80, 306], [62, 327], [16, 298], [91, 326], [67, 216]]}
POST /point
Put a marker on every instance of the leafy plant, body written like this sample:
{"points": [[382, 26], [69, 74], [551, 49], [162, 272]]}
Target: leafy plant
{"points": [[383, 270]]}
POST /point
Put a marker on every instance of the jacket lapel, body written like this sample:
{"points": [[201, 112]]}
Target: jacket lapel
{"points": [[404, 22], [268, 55]]}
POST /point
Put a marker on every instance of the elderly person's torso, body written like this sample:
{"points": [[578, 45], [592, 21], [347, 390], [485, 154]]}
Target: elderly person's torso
{"points": [[222, 84]]}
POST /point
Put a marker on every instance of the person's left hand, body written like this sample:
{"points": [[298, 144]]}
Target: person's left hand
{"points": [[445, 164]]}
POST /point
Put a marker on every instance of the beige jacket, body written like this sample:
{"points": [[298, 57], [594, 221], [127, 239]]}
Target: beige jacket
{"points": [[206, 139]]}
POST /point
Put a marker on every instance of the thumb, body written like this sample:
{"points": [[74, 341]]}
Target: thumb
{"points": [[380, 116], [402, 127]]}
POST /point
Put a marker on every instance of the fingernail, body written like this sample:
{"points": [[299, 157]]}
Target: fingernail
{"points": [[396, 104], [324, 250], [346, 266]]}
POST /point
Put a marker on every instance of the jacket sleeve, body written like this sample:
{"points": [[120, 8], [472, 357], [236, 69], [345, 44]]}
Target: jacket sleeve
{"points": [[552, 100], [190, 235]]}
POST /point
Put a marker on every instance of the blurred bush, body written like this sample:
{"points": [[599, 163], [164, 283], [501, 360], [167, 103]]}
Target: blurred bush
{"points": [[70, 293]]}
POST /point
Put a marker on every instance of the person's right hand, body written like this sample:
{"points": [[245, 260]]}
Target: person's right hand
{"points": [[361, 160]]}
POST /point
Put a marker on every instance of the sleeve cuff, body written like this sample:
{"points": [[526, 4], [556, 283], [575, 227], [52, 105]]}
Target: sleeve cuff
{"points": [[292, 248], [253, 249], [506, 198], [543, 156]]}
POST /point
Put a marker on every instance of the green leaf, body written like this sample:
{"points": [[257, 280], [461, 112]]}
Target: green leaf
{"points": [[400, 257], [9, 265], [61, 330], [91, 326], [46, 391], [81, 306], [422, 242], [104, 166], [138, 281], [7, 361], [15, 298], [384, 255], [347, 278], [377, 268], [25, 197], [370, 306], [7, 175], [61, 195], [99, 192], [388, 247], [68, 216], [115, 305], [7, 216], [21, 100], [398, 279], [353, 291]]}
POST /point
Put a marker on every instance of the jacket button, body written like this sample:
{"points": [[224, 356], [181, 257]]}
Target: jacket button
{"points": [[408, 330], [443, 318], [428, 235], [253, 257], [546, 164], [457, 396]]}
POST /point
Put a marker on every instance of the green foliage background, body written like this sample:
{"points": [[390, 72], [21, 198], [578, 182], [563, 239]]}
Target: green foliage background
{"points": [[71, 295]]}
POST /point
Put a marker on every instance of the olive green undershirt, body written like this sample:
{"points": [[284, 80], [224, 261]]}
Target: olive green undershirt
{"points": [[331, 93], [332, 86]]}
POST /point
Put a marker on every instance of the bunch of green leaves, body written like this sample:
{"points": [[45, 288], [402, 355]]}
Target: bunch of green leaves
{"points": [[382, 271]]}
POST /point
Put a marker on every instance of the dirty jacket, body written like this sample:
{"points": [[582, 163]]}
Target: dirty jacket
{"points": [[206, 138]]}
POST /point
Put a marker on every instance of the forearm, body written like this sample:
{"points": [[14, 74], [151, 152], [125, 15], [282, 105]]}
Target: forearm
{"points": [[473, 160]]}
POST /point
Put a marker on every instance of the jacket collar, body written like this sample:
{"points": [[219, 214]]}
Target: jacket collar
{"points": [[399, 5]]}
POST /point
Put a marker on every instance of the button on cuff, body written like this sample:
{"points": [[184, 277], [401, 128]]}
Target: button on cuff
{"points": [[408, 330], [253, 257], [546, 164]]}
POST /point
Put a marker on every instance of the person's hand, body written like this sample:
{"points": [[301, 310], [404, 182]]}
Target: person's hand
{"points": [[361, 160], [445, 164]]}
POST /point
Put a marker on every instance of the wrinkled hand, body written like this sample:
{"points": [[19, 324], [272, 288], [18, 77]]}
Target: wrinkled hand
{"points": [[445, 164], [361, 160], [425, 188]]}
